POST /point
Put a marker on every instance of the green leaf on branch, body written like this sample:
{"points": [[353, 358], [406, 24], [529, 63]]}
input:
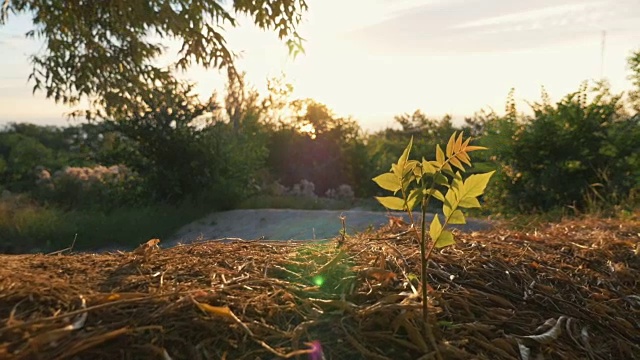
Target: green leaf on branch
{"points": [[474, 185], [469, 203], [396, 170], [450, 202], [474, 148], [409, 166], [457, 217], [451, 144], [440, 237], [405, 154], [388, 181], [455, 162], [417, 172], [435, 229], [436, 194], [415, 197], [445, 239], [439, 156], [391, 202], [407, 173], [427, 168], [441, 180], [464, 194]]}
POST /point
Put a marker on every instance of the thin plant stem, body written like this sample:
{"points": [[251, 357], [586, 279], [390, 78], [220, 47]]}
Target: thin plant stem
{"points": [[455, 150], [423, 271]]}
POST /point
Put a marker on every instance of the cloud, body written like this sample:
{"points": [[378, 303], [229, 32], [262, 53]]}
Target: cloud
{"points": [[560, 13], [469, 26]]}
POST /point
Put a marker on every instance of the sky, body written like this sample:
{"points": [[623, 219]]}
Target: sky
{"points": [[375, 59]]}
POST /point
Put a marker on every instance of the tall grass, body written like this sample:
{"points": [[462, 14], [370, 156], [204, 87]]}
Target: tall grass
{"points": [[28, 227]]}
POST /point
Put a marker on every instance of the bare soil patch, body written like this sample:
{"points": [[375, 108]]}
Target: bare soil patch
{"points": [[292, 224], [564, 291]]}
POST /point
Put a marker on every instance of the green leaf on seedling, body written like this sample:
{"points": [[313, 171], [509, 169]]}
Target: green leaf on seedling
{"points": [[436, 194], [457, 217], [447, 169], [451, 144], [427, 168], [439, 156], [475, 184], [464, 157], [441, 180], [469, 203], [435, 229], [415, 197], [391, 202], [417, 172], [458, 145], [407, 174], [410, 165], [445, 239], [457, 181], [450, 199], [455, 162], [388, 181], [396, 170], [474, 148], [405, 154]]}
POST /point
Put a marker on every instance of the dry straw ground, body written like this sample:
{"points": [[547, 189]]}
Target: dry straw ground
{"points": [[566, 291]]}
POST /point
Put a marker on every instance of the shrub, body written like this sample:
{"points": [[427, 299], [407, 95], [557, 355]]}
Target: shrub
{"points": [[304, 188], [181, 155], [96, 187], [565, 152], [343, 192]]}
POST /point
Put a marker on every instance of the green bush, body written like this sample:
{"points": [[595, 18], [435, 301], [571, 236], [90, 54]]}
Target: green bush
{"points": [[179, 154], [581, 149], [24, 147], [98, 187], [26, 226], [20, 155]]}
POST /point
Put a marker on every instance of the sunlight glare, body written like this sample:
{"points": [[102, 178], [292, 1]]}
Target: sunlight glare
{"points": [[308, 129], [318, 280]]}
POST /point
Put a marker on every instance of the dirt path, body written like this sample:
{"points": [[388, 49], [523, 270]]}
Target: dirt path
{"points": [[284, 224]]}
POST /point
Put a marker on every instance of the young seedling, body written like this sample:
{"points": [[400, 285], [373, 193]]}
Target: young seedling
{"points": [[416, 182]]}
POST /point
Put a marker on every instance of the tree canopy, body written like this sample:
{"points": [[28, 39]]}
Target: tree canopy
{"points": [[633, 62], [104, 51]]}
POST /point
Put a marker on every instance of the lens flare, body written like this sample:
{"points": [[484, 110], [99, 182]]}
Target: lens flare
{"points": [[318, 280], [316, 353]]}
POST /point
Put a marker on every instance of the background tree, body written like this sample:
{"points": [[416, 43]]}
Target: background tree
{"points": [[183, 147], [634, 65], [313, 144], [104, 51], [240, 101]]}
